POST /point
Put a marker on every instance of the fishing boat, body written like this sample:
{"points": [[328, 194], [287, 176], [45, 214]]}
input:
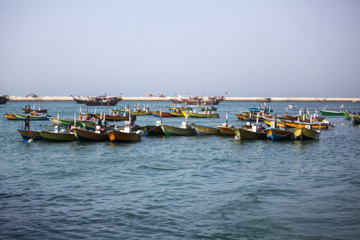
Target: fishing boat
{"points": [[259, 109], [183, 130], [28, 109], [264, 100], [278, 134], [151, 130], [226, 129], [115, 117], [176, 114], [325, 112], [162, 114], [355, 119], [255, 133], [91, 126], [247, 116], [204, 100], [200, 114], [137, 111], [58, 136], [10, 116], [126, 135], [209, 108], [98, 100], [32, 118], [84, 135], [4, 99], [316, 125], [27, 134], [205, 130], [305, 133], [292, 106], [180, 108]]}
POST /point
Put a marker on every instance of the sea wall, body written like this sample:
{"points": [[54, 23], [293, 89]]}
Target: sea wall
{"points": [[274, 99]]}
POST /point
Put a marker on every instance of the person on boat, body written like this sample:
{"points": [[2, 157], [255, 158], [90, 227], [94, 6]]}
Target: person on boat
{"points": [[80, 117], [68, 127], [27, 123]]}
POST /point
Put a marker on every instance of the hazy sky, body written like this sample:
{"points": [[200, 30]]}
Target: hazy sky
{"points": [[197, 47]]}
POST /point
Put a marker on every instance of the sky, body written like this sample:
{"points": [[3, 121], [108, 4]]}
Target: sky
{"points": [[247, 48]]}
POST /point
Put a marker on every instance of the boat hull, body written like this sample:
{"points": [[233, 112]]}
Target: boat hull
{"points": [[278, 134], [90, 125], [177, 131], [10, 116], [32, 118], [90, 136], [355, 119], [203, 130], [316, 126], [200, 115], [152, 130], [58, 137], [116, 118], [244, 134], [226, 131], [163, 114], [302, 133], [26, 134], [122, 137], [331, 113]]}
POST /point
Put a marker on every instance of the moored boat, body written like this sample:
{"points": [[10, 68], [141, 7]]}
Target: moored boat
{"points": [[355, 119], [10, 116], [204, 130], [200, 114], [278, 134], [305, 133], [98, 100], [264, 100], [162, 114], [255, 133], [183, 130], [84, 135], [27, 134], [115, 117], [296, 124], [4, 99], [58, 136], [32, 118]]}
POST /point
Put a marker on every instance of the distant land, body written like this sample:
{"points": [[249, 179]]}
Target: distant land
{"points": [[249, 99]]}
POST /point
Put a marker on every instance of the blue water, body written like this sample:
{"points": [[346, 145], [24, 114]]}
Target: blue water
{"points": [[181, 187]]}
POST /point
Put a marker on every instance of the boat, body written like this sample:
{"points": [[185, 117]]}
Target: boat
{"points": [[32, 118], [292, 106], [10, 116], [91, 125], [264, 100], [278, 134], [151, 130], [183, 130], [126, 135], [255, 133], [259, 109], [204, 130], [325, 112], [28, 109], [204, 100], [355, 119], [247, 116], [137, 111], [209, 108], [4, 99], [115, 117], [305, 133], [103, 100], [58, 136], [162, 114], [200, 114], [176, 114], [180, 108], [84, 135], [27, 134], [226, 129], [316, 125]]}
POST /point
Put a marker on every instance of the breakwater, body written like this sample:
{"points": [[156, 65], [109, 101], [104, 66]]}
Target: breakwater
{"points": [[249, 99]]}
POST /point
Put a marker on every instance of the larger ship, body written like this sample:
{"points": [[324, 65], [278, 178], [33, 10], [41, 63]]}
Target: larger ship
{"points": [[98, 100]]}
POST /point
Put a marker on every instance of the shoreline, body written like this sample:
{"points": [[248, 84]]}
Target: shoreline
{"points": [[239, 99]]}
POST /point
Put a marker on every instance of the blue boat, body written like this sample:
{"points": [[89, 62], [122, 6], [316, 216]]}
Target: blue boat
{"points": [[278, 134], [26, 134]]}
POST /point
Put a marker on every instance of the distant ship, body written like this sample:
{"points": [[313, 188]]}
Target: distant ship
{"points": [[4, 99], [98, 100]]}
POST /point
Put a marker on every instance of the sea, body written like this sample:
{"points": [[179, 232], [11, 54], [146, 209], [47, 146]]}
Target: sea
{"points": [[199, 187]]}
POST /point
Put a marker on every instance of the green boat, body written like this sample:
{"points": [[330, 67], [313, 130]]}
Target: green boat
{"points": [[332, 113], [204, 130], [58, 136], [182, 130], [65, 122], [91, 125]]}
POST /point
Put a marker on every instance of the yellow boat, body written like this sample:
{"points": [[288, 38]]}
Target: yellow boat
{"points": [[200, 115], [297, 124], [10, 116], [204, 130], [303, 133]]}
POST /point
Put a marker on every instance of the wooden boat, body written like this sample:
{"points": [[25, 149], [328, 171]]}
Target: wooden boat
{"points": [[162, 114], [264, 100], [201, 114], [355, 119], [226, 129], [248, 117], [259, 109], [151, 130], [278, 134], [177, 114], [304, 133], [10, 116], [183, 130], [137, 111], [27, 134], [204, 100], [254, 133], [66, 121], [115, 117], [32, 118], [58, 136], [4, 99], [204, 130], [28, 109], [84, 135], [180, 108], [122, 137], [292, 106], [98, 100], [332, 113], [297, 124], [91, 125], [209, 108]]}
